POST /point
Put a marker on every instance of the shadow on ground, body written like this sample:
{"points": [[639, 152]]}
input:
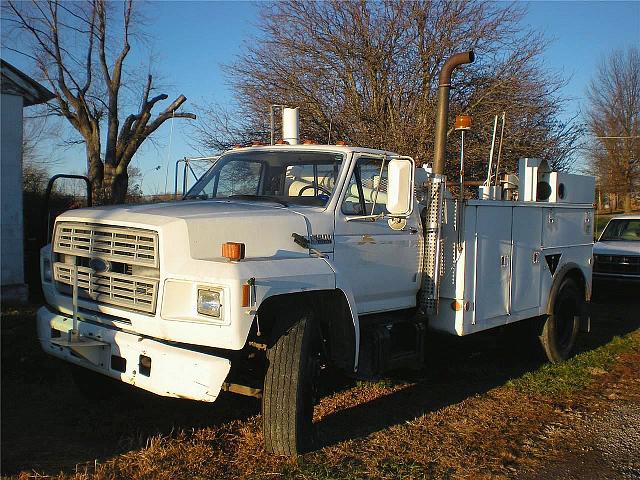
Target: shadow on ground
{"points": [[48, 426], [458, 368]]}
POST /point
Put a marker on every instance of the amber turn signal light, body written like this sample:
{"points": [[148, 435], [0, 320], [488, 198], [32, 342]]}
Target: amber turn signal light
{"points": [[233, 251], [246, 294]]}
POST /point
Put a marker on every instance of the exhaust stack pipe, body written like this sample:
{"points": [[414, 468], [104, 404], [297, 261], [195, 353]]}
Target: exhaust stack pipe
{"points": [[444, 83], [290, 125]]}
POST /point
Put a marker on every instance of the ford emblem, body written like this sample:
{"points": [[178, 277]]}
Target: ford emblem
{"points": [[99, 265]]}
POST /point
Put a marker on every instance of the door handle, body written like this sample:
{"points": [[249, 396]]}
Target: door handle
{"points": [[535, 258]]}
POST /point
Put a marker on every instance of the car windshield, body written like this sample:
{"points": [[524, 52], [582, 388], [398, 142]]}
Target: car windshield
{"points": [[285, 177], [623, 230]]}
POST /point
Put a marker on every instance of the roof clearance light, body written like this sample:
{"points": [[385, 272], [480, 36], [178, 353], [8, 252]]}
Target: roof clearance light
{"points": [[342, 143], [233, 251], [308, 141], [236, 146], [282, 142]]}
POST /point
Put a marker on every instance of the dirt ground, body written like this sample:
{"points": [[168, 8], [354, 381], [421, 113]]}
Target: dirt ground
{"points": [[457, 419]]}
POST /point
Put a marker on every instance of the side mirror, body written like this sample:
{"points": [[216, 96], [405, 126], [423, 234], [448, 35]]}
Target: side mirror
{"points": [[400, 187]]}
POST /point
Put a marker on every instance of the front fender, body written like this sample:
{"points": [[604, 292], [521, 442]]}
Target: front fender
{"points": [[297, 275], [289, 275], [343, 286]]}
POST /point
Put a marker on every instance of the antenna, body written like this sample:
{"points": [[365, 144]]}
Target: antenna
{"points": [[166, 176], [493, 143], [335, 81], [500, 148]]}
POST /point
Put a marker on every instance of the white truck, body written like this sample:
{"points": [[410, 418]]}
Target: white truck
{"points": [[284, 258]]}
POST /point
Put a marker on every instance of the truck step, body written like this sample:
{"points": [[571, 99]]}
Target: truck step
{"points": [[391, 346]]}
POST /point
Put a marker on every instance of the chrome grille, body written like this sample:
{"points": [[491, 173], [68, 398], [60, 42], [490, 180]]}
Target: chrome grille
{"points": [[127, 272], [617, 264], [128, 245], [136, 293]]}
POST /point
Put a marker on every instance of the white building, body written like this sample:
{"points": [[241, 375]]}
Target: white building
{"points": [[18, 91]]}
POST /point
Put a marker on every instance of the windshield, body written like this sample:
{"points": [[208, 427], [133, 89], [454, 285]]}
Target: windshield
{"points": [[287, 177], [621, 229]]}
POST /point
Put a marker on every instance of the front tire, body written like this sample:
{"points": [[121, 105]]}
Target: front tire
{"points": [[290, 390], [561, 328]]}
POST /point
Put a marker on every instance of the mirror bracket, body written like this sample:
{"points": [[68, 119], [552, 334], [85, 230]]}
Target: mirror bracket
{"points": [[397, 223], [365, 218]]}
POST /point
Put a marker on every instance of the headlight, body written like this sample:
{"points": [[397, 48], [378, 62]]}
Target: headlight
{"points": [[209, 302], [46, 270]]}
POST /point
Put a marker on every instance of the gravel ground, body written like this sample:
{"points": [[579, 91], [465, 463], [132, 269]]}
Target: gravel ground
{"points": [[607, 447], [617, 439]]}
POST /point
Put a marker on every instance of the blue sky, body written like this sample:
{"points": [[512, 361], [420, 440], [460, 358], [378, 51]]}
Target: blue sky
{"points": [[189, 41]]}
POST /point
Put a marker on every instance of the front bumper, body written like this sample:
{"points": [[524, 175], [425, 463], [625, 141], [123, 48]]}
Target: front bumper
{"points": [[173, 371]]}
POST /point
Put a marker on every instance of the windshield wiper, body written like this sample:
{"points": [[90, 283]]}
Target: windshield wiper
{"points": [[260, 197]]}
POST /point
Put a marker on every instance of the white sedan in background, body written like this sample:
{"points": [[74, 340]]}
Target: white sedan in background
{"points": [[616, 254]]}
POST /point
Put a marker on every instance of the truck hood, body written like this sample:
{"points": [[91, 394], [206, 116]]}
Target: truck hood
{"points": [[616, 248], [265, 229]]}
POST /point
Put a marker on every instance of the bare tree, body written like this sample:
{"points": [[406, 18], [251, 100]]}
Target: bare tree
{"points": [[80, 50], [366, 72], [613, 118]]}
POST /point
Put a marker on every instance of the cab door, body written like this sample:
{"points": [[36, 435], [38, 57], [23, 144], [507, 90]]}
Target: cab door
{"points": [[380, 263]]}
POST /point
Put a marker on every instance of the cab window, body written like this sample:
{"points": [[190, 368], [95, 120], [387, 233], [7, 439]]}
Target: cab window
{"points": [[367, 189]]}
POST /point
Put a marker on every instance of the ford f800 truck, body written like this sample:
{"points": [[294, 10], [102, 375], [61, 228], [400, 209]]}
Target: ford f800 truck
{"points": [[285, 258]]}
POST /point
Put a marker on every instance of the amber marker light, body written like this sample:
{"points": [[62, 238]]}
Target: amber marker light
{"points": [[456, 306], [233, 251], [308, 141], [342, 143], [246, 294], [463, 122]]}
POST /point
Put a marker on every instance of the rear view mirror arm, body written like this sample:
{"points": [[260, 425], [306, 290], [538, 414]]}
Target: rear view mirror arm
{"points": [[372, 218]]}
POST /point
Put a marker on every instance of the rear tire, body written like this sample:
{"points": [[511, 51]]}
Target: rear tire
{"points": [[290, 390], [561, 328]]}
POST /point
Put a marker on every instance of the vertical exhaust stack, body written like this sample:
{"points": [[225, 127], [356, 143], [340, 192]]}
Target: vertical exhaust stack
{"points": [[290, 125], [444, 83]]}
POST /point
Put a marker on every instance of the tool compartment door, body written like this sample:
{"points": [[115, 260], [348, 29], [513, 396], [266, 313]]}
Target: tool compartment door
{"points": [[493, 262], [527, 259]]}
